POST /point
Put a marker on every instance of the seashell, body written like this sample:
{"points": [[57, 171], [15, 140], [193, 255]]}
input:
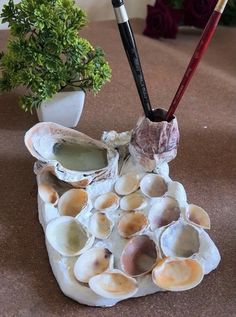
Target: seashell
{"points": [[132, 223], [153, 143], [91, 263], [153, 185], [83, 183], [198, 216], [133, 201], [70, 153], [177, 274], [47, 187], [127, 184], [139, 256], [163, 212], [180, 240], [100, 225], [113, 284], [176, 190], [72, 202], [107, 202], [67, 236]]}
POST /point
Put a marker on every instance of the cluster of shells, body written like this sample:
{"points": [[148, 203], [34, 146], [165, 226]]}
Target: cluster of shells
{"points": [[125, 236]]}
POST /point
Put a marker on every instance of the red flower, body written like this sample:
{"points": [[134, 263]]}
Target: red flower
{"points": [[198, 12], [161, 21]]}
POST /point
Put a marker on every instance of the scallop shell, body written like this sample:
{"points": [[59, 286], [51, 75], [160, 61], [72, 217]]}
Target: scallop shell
{"points": [[132, 223], [198, 216], [42, 138], [91, 263], [177, 274], [72, 202], [180, 240], [153, 185], [113, 284], [133, 201], [67, 236], [107, 202], [139, 256], [127, 184], [100, 225], [163, 212]]}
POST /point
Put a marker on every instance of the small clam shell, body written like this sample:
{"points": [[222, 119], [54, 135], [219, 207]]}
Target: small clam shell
{"points": [[180, 240], [47, 186], [83, 183], [67, 236], [91, 263], [133, 201], [139, 256], [72, 202], [177, 274], [153, 185], [107, 202], [113, 284], [127, 184], [163, 212], [132, 223], [100, 225], [198, 216]]}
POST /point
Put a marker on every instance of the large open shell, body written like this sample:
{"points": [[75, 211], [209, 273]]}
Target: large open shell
{"points": [[91, 263], [139, 256], [100, 225], [132, 223], [107, 202], [72, 202], [42, 139], [180, 240], [198, 216], [163, 212], [177, 274], [153, 185], [113, 284], [67, 236], [133, 201], [127, 184]]}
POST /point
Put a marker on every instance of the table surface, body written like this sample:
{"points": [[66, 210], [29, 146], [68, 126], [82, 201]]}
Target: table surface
{"points": [[206, 165]]}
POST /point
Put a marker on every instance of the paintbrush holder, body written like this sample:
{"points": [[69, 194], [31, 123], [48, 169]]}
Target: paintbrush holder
{"points": [[154, 142]]}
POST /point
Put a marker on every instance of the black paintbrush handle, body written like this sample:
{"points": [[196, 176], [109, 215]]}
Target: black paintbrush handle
{"points": [[130, 47]]}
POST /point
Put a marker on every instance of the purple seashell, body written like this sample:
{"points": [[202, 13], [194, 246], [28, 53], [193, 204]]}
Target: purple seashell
{"points": [[153, 143]]}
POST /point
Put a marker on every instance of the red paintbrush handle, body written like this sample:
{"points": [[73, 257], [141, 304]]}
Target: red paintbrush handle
{"points": [[199, 51]]}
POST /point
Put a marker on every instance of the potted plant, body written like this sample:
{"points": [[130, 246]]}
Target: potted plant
{"points": [[46, 55]]}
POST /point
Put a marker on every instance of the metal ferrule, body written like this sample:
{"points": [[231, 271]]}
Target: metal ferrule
{"points": [[220, 6], [121, 14]]}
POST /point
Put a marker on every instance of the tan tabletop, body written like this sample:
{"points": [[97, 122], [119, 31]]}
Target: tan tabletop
{"points": [[206, 165]]}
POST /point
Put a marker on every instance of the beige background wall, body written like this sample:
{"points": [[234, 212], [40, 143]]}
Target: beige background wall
{"points": [[102, 9]]}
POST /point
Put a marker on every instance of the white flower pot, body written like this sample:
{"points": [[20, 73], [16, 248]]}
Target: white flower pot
{"points": [[64, 108]]}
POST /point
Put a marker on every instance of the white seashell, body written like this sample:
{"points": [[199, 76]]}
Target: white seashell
{"points": [[72, 202], [133, 201], [176, 190], [91, 263], [67, 236], [180, 240], [132, 223], [198, 216], [153, 185], [177, 274], [100, 225], [127, 184], [163, 212], [43, 139], [139, 256], [113, 284], [107, 202]]}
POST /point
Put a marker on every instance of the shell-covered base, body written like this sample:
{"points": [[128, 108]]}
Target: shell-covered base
{"points": [[120, 259]]}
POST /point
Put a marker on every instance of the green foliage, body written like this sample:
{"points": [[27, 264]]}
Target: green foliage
{"points": [[45, 52]]}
